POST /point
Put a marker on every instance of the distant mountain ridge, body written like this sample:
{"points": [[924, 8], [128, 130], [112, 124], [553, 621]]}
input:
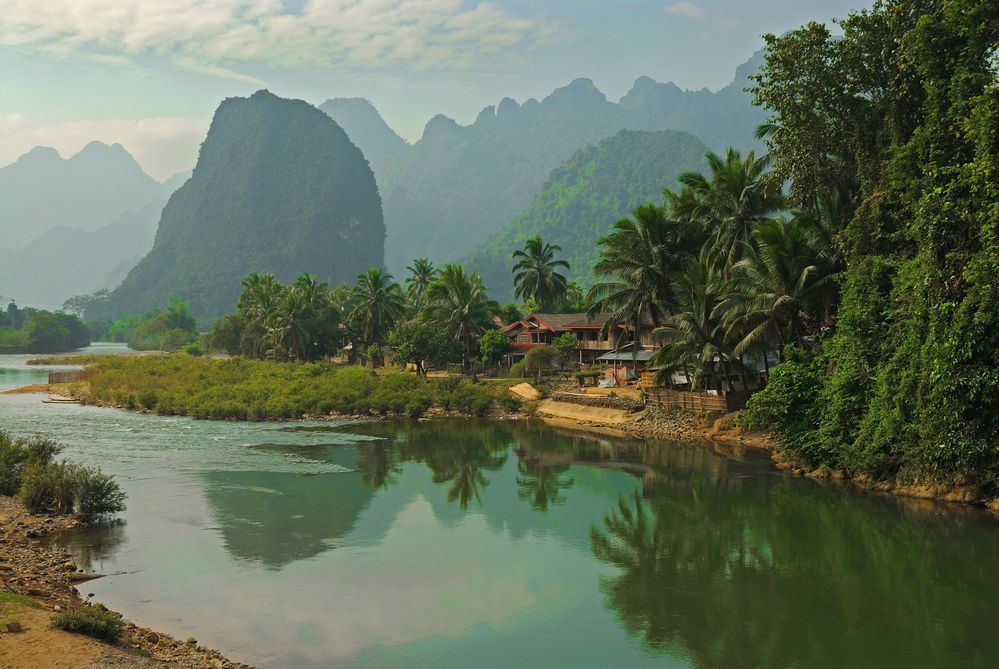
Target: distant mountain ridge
{"points": [[458, 185], [584, 196], [41, 190], [278, 188], [364, 125], [69, 261]]}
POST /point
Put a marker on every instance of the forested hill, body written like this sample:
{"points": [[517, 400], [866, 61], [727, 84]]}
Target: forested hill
{"points": [[278, 188], [583, 197], [458, 185], [42, 191]]}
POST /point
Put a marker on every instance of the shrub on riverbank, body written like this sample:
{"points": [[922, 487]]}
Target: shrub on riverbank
{"points": [[91, 621], [243, 389], [28, 469]]}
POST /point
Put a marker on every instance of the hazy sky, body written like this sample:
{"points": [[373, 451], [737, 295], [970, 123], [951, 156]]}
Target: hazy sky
{"points": [[149, 73]]}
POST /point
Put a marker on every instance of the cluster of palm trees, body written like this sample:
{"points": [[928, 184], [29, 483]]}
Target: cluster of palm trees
{"points": [[724, 267], [308, 320]]}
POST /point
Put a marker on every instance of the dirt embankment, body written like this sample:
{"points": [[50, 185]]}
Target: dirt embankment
{"points": [[47, 579], [654, 421]]}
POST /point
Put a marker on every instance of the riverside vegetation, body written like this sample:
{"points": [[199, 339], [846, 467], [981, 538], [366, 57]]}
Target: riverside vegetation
{"points": [[862, 247], [29, 471], [244, 389]]}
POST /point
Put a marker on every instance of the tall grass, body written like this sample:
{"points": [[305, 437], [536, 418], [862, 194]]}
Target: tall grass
{"points": [[243, 389]]}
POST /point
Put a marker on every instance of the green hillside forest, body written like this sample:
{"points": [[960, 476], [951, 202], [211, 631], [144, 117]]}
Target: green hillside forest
{"points": [[584, 196]]}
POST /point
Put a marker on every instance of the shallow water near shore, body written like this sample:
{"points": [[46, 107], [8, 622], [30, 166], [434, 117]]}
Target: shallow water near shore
{"points": [[512, 544]]}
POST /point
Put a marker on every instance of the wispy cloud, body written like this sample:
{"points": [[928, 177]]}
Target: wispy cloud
{"points": [[213, 36], [163, 146], [685, 9]]}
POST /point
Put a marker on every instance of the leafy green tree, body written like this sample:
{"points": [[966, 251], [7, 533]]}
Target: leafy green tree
{"points": [[49, 332], [536, 275], [422, 344], [493, 346], [899, 113], [509, 313], [565, 348], [81, 304]]}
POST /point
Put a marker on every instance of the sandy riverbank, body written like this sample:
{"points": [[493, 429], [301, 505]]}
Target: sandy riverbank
{"points": [[49, 580]]}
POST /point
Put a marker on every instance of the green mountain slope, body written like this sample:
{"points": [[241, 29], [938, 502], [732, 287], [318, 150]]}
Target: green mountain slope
{"points": [[278, 188], [583, 197]]}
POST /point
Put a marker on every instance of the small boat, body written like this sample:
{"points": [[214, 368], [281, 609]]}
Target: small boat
{"points": [[60, 399]]}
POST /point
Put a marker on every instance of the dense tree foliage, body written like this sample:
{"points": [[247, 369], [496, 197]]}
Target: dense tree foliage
{"points": [[900, 117], [167, 329], [39, 331]]}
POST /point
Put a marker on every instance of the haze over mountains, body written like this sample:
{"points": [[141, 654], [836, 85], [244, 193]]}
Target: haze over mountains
{"points": [[458, 185], [75, 225], [584, 196], [278, 188]]}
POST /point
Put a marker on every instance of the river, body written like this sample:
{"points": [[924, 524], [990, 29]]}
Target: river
{"points": [[512, 544]]}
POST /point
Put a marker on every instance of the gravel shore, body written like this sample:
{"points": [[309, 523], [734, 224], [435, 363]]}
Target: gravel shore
{"points": [[47, 576]]}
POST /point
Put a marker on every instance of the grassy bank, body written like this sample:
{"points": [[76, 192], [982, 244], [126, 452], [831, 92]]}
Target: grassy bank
{"points": [[241, 389]]}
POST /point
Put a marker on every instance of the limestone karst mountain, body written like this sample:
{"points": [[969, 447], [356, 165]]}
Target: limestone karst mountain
{"points": [[278, 188]]}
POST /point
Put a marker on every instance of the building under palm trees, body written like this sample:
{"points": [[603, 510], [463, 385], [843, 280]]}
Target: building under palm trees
{"points": [[594, 338]]}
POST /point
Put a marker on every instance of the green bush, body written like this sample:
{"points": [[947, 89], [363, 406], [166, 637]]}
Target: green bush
{"points": [[147, 398], [97, 494], [465, 397], [192, 349], [789, 405], [508, 402], [90, 621], [518, 369], [17, 454]]}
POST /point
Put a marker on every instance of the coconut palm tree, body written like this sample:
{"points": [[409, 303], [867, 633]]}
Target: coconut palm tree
{"points": [[457, 301], [422, 274], [377, 303], [739, 194], [778, 280], [536, 275], [638, 260], [696, 340], [260, 295], [288, 326]]}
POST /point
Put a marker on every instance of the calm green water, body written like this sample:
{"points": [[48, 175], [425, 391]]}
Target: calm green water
{"points": [[475, 544]]}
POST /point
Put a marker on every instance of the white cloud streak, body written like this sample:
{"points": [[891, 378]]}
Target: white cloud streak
{"points": [[163, 146], [213, 35], [687, 10]]}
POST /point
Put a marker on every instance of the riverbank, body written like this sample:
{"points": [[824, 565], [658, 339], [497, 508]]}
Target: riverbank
{"points": [[674, 424], [237, 389], [45, 581]]}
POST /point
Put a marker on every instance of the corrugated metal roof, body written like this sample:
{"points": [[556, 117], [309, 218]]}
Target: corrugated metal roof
{"points": [[626, 356]]}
